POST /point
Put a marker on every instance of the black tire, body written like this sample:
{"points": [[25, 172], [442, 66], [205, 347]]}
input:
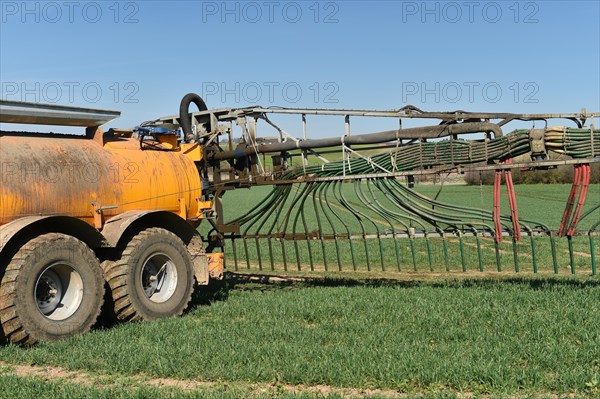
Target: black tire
{"points": [[52, 289], [184, 107], [134, 296]]}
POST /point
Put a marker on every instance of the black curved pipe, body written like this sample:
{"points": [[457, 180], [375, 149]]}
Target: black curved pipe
{"points": [[184, 116]]}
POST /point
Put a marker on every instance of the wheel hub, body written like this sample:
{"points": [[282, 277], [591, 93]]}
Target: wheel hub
{"points": [[58, 291], [48, 292], [159, 278]]}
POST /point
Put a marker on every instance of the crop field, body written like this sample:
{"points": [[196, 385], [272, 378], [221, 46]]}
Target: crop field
{"points": [[313, 334], [331, 337]]}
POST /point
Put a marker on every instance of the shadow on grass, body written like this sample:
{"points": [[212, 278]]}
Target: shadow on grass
{"points": [[201, 296], [261, 282]]}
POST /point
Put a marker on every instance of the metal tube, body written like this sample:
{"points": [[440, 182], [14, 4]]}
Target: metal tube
{"points": [[235, 258], [553, 249], [515, 254], [571, 255], [462, 253], [593, 255], [435, 131], [428, 245], [498, 256], [446, 261], [533, 255], [479, 257]]}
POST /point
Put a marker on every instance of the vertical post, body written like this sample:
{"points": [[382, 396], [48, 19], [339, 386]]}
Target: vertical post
{"points": [[533, 255], [479, 255], [411, 240], [352, 252], [593, 254], [297, 251], [271, 254], [304, 137], [235, 258], [571, 255], [258, 254], [553, 250], [252, 130], [462, 252], [498, 259], [445, 247], [592, 137], [230, 142], [515, 253], [344, 159], [246, 252], [397, 250], [366, 246], [285, 267], [347, 124], [230, 134], [429, 253]]}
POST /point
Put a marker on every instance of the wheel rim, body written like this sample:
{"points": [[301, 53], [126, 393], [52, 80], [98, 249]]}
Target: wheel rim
{"points": [[58, 291], [159, 277]]}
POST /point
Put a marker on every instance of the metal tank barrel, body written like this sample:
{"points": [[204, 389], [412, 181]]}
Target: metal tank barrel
{"points": [[76, 176]]}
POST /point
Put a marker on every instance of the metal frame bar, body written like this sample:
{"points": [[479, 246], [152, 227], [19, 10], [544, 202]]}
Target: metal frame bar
{"points": [[48, 114]]}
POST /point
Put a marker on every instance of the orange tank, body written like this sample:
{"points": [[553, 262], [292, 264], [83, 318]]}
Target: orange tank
{"points": [[84, 178]]}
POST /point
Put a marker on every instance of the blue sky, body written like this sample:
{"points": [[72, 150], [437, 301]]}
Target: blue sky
{"points": [[141, 57]]}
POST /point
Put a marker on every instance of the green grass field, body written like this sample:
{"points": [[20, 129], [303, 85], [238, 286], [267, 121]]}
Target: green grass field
{"points": [[488, 337]]}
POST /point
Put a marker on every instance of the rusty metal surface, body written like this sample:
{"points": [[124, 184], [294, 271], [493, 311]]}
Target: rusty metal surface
{"points": [[47, 114], [73, 177], [216, 265]]}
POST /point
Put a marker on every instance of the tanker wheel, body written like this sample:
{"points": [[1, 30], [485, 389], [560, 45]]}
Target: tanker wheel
{"points": [[153, 278], [52, 289]]}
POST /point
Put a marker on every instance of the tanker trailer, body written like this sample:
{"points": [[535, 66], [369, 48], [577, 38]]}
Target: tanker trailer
{"points": [[76, 211]]}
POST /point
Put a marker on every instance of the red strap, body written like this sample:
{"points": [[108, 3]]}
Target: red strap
{"points": [[567, 213], [496, 211], [512, 199], [581, 202]]}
